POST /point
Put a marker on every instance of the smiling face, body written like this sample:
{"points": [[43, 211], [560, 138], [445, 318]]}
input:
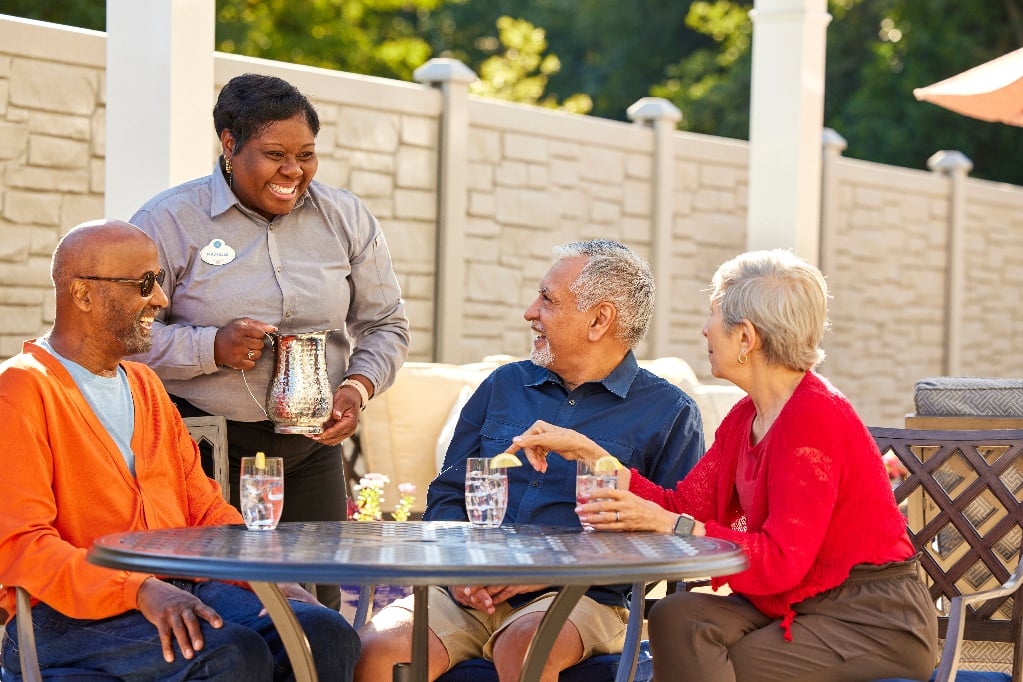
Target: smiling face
{"points": [[127, 315], [560, 327], [274, 167]]}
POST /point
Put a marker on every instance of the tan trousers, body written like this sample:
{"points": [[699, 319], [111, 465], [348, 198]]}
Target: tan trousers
{"points": [[879, 623]]}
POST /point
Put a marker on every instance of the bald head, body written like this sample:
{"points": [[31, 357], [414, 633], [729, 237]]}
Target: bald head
{"points": [[88, 247], [103, 311]]}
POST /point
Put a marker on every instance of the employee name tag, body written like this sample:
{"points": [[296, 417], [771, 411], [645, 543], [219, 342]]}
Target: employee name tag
{"points": [[217, 252]]}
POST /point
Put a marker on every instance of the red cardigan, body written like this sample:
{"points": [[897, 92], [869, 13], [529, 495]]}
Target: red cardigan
{"points": [[65, 483], [816, 498]]}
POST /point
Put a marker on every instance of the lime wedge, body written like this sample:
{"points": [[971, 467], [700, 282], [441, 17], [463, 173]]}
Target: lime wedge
{"points": [[504, 460]]}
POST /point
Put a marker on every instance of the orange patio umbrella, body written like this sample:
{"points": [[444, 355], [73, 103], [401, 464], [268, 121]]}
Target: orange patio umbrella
{"points": [[992, 91]]}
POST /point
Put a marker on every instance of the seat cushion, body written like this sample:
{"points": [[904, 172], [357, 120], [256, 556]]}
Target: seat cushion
{"points": [[969, 397], [597, 669]]}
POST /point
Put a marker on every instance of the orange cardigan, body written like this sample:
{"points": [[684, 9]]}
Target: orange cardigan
{"points": [[64, 483]]}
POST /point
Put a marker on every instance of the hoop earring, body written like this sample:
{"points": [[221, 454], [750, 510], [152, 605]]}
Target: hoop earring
{"points": [[743, 357]]}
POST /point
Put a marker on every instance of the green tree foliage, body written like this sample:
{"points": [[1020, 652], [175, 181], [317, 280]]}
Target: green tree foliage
{"points": [[372, 37], [90, 14], [606, 54], [520, 73], [878, 51]]}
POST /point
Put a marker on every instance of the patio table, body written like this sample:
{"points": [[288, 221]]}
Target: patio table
{"points": [[418, 554]]}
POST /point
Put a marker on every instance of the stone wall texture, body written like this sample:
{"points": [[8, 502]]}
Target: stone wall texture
{"points": [[525, 180]]}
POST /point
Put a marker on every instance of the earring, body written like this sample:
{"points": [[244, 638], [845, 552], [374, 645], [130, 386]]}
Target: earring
{"points": [[228, 170], [743, 357]]}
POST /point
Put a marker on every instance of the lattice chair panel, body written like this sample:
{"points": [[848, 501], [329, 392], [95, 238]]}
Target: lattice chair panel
{"points": [[963, 501]]}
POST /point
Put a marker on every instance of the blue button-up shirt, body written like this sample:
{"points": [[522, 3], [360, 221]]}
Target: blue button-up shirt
{"points": [[646, 422]]}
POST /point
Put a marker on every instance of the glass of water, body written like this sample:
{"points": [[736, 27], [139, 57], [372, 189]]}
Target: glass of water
{"points": [[486, 493], [589, 482], [261, 489]]}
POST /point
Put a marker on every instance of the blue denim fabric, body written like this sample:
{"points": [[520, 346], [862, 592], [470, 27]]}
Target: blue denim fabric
{"points": [[247, 648]]}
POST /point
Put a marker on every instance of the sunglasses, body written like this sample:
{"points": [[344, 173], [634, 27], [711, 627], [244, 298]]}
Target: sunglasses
{"points": [[145, 285]]}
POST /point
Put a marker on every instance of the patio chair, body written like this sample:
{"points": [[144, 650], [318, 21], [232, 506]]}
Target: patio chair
{"points": [[962, 500], [210, 433]]}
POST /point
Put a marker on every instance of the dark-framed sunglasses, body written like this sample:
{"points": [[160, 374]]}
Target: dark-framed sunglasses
{"points": [[145, 284]]}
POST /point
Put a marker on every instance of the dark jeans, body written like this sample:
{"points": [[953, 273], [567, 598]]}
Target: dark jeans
{"points": [[314, 480], [247, 648]]}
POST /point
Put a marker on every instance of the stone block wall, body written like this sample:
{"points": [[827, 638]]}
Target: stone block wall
{"points": [[532, 179]]}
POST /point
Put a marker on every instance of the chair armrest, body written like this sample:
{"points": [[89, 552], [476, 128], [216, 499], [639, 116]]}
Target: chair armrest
{"points": [[952, 649], [26, 638]]}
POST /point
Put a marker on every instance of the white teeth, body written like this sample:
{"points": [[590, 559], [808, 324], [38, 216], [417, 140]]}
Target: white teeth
{"points": [[283, 190]]}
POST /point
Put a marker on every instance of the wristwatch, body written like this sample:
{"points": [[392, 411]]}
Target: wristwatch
{"points": [[684, 525]]}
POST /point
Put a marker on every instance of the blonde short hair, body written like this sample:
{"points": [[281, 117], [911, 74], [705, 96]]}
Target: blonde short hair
{"points": [[783, 297]]}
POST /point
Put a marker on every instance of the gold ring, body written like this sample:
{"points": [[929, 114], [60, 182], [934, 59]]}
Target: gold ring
{"points": [[618, 517], [251, 354]]}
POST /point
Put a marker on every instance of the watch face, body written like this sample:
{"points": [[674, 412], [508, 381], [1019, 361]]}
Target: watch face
{"points": [[684, 525]]}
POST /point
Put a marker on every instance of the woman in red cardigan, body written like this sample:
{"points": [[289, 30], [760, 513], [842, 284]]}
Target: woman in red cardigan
{"points": [[833, 589]]}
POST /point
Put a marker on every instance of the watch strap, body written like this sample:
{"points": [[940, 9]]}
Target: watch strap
{"points": [[357, 385]]}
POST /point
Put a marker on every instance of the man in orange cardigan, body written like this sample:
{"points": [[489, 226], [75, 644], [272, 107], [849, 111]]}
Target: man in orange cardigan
{"points": [[92, 445]]}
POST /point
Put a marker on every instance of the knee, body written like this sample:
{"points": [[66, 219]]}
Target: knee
{"points": [[234, 652], [334, 643], [670, 619]]}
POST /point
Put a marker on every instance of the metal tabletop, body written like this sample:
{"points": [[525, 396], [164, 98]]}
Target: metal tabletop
{"points": [[418, 554]]}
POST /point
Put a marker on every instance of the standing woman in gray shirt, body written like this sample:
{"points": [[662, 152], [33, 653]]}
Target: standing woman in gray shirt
{"points": [[259, 246]]}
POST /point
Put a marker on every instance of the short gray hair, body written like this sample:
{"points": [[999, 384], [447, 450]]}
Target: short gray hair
{"points": [[617, 274], [783, 296]]}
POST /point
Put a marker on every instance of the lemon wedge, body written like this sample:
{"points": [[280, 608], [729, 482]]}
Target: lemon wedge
{"points": [[504, 460], [608, 464], [260, 460]]}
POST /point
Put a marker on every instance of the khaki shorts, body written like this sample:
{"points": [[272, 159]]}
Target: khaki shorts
{"points": [[469, 633]]}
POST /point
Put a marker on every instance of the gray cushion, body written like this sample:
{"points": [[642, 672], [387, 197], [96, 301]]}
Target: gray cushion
{"points": [[969, 396]]}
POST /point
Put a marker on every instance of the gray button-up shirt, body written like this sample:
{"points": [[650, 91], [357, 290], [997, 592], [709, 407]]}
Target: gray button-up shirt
{"points": [[325, 265]]}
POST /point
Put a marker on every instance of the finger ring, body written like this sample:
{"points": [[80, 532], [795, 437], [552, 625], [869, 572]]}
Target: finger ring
{"points": [[618, 517], [251, 354]]}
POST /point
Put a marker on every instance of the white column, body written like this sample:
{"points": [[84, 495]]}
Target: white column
{"points": [[452, 78], [663, 117], [955, 166], [159, 98], [786, 119]]}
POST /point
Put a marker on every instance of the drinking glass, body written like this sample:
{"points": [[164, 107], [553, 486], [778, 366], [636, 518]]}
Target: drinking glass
{"points": [[486, 493], [589, 483], [262, 492]]}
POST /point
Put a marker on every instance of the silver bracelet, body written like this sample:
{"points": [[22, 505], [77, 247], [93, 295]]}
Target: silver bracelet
{"points": [[357, 385]]}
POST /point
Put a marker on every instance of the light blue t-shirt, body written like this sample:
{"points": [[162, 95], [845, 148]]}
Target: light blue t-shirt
{"points": [[113, 394]]}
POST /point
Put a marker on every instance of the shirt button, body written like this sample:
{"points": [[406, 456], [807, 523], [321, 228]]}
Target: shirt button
{"points": [[279, 268], [571, 402], [535, 484], [287, 314]]}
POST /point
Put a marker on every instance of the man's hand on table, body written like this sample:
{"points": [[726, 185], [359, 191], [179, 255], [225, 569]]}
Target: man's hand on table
{"points": [[175, 613], [486, 597]]}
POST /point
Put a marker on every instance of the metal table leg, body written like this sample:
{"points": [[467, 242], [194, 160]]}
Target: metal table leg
{"points": [[420, 633], [295, 642], [540, 648]]}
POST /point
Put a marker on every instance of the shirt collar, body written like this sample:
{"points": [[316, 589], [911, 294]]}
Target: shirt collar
{"points": [[617, 382], [223, 197]]}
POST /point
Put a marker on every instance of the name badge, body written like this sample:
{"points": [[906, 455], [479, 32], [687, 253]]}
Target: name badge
{"points": [[217, 252]]}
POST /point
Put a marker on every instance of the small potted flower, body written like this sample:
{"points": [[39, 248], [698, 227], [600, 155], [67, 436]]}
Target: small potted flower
{"points": [[368, 506]]}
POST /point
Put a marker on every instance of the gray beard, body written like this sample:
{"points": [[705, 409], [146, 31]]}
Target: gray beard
{"points": [[542, 357]]}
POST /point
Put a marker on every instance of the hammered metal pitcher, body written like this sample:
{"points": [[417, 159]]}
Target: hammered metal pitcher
{"points": [[299, 398]]}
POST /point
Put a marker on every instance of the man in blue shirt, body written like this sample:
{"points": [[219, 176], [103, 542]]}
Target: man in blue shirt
{"points": [[594, 306]]}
